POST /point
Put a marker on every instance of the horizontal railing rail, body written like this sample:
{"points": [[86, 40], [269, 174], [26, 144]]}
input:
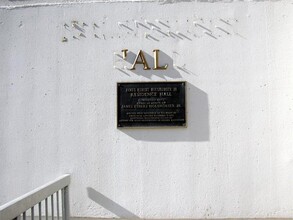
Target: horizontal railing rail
{"points": [[25, 204]]}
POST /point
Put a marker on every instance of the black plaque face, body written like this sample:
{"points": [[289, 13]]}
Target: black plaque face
{"points": [[151, 104]]}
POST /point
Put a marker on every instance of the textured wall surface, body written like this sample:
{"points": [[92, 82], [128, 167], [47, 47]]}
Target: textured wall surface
{"points": [[58, 106]]}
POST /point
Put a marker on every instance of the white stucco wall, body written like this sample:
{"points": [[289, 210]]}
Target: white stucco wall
{"points": [[58, 107]]}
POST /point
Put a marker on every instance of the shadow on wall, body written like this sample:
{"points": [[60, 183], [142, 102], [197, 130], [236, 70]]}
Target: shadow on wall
{"points": [[110, 205], [197, 111]]}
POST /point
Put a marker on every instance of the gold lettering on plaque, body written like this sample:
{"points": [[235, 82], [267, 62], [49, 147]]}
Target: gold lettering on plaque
{"points": [[142, 61], [156, 61]]}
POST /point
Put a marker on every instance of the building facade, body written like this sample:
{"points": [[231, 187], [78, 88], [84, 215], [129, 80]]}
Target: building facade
{"points": [[61, 63]]}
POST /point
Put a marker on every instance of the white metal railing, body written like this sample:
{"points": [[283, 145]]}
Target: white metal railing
{"points": [[34, 205]]}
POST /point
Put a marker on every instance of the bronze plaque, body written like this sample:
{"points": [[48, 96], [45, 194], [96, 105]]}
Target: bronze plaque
{"points": [[151, 104]]}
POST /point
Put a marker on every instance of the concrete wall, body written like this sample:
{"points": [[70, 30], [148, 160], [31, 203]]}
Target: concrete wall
{"points": [[58, 107]]}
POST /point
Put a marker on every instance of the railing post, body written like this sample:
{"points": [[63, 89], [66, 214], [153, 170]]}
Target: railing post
{"points": [[65, 203]]}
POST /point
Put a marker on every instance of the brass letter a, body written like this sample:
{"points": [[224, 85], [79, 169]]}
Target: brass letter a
{"points": [[143, 61]]}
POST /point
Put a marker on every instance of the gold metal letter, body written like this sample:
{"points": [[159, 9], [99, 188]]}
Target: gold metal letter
{"points": [[156, 61], [124, 53], [143, 61]]}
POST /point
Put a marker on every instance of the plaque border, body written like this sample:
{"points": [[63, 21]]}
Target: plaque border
{"points": [[153, 127]]}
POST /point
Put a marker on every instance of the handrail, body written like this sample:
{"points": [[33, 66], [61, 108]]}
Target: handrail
{"points": [[21, 204]]}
